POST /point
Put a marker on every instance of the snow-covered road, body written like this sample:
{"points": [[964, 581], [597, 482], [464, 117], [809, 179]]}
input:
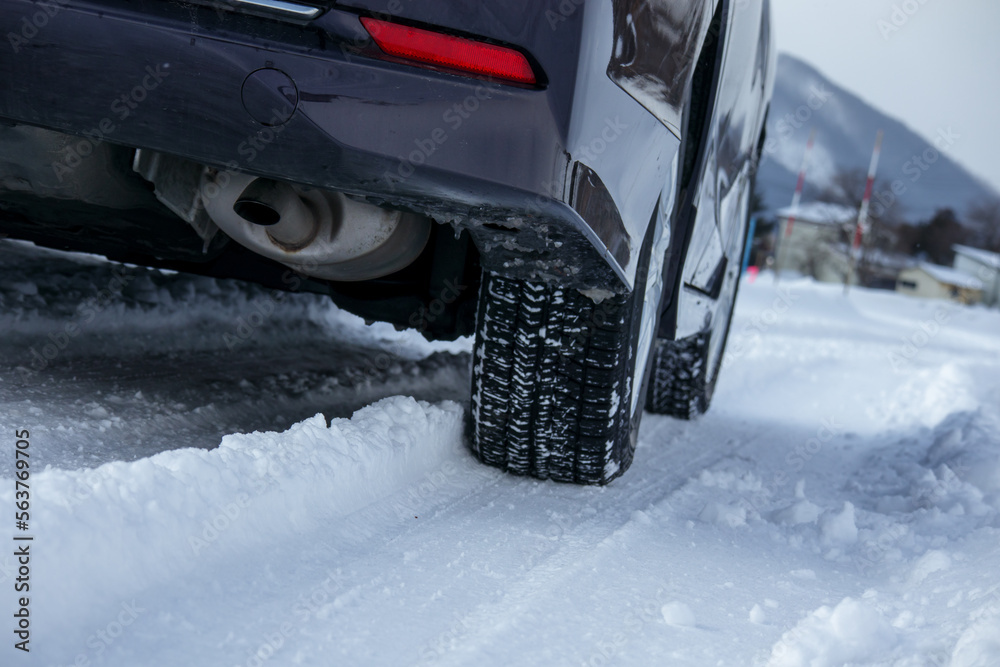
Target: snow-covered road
{"points": [[838, 505]]}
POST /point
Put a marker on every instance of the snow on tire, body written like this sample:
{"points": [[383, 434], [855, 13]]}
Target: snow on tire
{"points": [[552, 381], [678, 385]]}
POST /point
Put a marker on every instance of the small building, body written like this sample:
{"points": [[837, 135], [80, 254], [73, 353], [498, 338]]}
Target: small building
{"points": [[810, 240], [930, 281], [981, 264]]}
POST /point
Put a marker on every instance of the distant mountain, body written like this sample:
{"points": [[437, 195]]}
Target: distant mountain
{"points": [[845, 133]]}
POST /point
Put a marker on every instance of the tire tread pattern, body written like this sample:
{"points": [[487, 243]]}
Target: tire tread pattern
{"points": [[551, 382], [678, 386]]}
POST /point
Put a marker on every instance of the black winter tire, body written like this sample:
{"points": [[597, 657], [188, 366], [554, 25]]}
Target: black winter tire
{"points": [[679, 385], [685, 371], [552, 378], [552, 374]]}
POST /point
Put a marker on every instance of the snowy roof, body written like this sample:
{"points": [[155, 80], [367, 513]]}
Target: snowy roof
{"points": [[821, 213], [950, 276], [874, 256], [985, 257]]}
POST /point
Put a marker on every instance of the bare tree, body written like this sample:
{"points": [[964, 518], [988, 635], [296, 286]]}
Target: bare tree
{"points": [[938, 235]]}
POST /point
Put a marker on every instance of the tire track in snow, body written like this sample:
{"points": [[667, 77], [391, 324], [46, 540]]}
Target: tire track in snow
{"points": [[454, 550], [569, 544]]}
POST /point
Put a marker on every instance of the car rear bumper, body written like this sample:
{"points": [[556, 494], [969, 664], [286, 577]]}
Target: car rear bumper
{"points": [[310, 104]]}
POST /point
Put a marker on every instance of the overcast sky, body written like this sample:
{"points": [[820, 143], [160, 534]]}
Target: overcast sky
{"points": [[940, 68]]}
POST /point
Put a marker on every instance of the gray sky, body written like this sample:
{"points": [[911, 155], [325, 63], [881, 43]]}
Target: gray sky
{"points": [[940, 68]]}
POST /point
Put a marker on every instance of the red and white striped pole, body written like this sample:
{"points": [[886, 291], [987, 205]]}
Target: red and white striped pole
{"points": [[862, 226], [796, 198], [800, 184]]}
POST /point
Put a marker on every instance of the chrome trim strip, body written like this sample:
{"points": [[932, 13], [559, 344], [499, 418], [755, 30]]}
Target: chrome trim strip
{"points": [[290, 9]]}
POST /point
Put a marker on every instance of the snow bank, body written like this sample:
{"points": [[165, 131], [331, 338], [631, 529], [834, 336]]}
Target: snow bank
{"points": [[108, 533], [966, 442], [979, 646], [851, 632]]}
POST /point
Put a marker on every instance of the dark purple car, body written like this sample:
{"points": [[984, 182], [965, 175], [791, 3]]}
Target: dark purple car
{"points": [[567, 181]]}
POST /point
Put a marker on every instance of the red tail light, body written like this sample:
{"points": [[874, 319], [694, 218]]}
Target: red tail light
{"points": [[456, 53]]}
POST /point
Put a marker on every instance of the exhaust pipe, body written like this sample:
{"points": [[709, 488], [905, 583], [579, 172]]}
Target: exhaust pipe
{"points": [[278, 207], [315, 232]]}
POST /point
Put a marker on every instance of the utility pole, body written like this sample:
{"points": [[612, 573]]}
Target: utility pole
{"points": [[862, 227]]}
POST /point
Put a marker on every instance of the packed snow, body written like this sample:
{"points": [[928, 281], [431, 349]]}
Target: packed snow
{"points": [[214, 487]]}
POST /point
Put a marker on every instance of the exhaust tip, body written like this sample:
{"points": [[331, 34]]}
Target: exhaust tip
{"points": [[290, 223], [256, 212]]}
